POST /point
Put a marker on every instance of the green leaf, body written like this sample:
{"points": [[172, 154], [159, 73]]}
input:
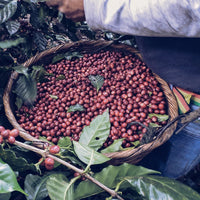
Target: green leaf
{"points": [[97, 81], [5, 196], [18, 102], [38, 73], [7, 9], [96, 134], [61, 77], [53, 96], [85, 153], [64, 142], [17, 163], [35, 187], [21, 70], [70, 55], [110, 176], [58, 57], [61, 38], [75, 108], [59, 188], [12, 27], [26, 89], [40, 41], [160, 117], [156, 188], [154, 125], [114, 147], [8, 179], [11, 43]]}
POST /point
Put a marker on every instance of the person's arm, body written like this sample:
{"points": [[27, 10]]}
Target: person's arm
{"points": [[145, 17], [175, 18]]}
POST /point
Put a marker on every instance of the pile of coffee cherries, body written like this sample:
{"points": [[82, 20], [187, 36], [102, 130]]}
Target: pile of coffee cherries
{"points": [[7, 135], [130, 92]]}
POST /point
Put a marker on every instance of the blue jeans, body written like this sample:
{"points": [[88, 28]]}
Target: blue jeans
{"points": [[178, 155]]}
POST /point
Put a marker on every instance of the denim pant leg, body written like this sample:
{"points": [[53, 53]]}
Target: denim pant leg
{"points": [[184, 152], [178, 155]]}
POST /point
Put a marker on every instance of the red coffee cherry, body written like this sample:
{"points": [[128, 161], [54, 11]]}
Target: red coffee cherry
{"points": [[1, 139], [11, 139], [14, 132], [5, 134], [2, 129], [54, 149], [49, 163]]}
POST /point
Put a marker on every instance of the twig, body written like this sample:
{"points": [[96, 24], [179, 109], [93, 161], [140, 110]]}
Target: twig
{"points": [[43, 153]]}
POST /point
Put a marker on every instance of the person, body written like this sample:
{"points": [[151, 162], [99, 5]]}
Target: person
{"points": [[167, 33]]}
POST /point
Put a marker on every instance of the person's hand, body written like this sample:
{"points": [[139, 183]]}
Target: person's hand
{"points": [[73, 9]]}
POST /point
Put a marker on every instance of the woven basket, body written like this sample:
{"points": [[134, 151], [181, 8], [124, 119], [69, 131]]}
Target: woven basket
{"points": [[130, 156]]}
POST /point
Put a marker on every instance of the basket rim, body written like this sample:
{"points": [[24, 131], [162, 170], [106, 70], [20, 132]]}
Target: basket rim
{"points": [[131, 155]]}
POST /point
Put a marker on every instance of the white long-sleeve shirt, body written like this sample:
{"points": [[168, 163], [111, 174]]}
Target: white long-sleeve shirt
{"points": [[171, 18]]}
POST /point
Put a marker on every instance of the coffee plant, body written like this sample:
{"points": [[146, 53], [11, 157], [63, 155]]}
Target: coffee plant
{"points": [[58, 167]]}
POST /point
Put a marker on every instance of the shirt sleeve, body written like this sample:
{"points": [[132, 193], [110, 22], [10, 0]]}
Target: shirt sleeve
{"points": [[170, 18]]}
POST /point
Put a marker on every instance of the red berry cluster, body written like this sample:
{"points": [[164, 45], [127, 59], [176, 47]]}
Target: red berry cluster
{"points": [[49, 162], [130, 91], [8, 135]]}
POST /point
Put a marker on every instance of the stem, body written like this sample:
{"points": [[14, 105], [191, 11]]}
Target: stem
{"points": [[43, 153]]}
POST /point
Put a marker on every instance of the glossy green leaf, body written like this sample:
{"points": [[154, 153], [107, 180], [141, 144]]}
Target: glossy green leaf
{"points": [[26, 89], [8, 181], [59, 188], [85, 154], [97, 81], [35, 187], [11, 43], [97, 132], [17, 163], [114, 147], [157, 188], [7, 9], [5, 196], [12, 27], [110, 176], [75, 108], [160, 117]]}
